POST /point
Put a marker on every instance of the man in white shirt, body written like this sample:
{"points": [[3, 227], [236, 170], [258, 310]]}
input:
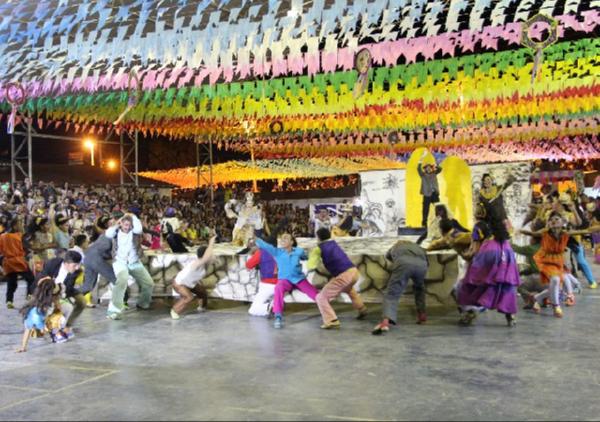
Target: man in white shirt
{"points": [[64, 271], [127, 254]]}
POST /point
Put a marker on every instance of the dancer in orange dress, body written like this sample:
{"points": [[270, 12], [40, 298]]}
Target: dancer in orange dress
{"points": [[550, 258]]}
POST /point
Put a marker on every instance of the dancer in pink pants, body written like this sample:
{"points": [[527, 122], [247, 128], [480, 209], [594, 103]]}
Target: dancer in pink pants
{"points": [[290, 273]]}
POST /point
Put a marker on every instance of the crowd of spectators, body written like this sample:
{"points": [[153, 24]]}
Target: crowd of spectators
{"points": [[290, 185], [315, 184], [54, 216]]}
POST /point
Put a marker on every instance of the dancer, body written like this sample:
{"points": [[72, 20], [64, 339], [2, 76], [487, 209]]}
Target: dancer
{"points": [[96, 256], [429, 186], [491, 196], [577, 221], [467, 245], [550, 259], [290, 273], [408, 261], [169, 222], [127, 254], [14, 263], [176, 241], [261, 304], [492, 276], [530, 274], [44, 302], [433, 225], [344, 276], [452, 238], [343, 224], [188, 282], [65, 271], [80, 244]]}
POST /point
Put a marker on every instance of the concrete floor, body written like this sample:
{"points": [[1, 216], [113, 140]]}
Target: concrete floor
{"points": [[224, 364]]}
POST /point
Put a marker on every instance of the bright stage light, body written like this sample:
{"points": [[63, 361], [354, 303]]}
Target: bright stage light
{"points": [[111, 164]]}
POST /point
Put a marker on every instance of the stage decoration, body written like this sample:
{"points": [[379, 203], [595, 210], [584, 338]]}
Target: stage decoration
{"points": [[362, 64], [567, 149], [15, 95], [539, 46], [249, 217], [244, 171], [173, 44], [276, 127], [336, 80]]}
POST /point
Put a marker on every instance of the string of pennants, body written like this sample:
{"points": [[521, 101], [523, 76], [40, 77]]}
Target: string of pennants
{"points": [[411, 72]]}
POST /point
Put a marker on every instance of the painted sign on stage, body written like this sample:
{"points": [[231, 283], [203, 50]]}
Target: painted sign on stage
{"points": [[382, 197]]}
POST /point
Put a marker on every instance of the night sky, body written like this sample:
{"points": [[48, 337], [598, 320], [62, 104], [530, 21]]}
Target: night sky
{"points": [[154, 153]]}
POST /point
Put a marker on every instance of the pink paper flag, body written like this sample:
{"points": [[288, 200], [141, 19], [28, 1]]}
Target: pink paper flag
{"points": [[466, 41], [346, 58], [329, 61], [312, 63], [213, 77]]}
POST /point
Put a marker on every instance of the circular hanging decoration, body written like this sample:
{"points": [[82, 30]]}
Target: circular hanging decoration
{"points": [[538, 46], [491, 128], [276, 127], [15, 95], [362, 64], [526, 39], [362, 61]]}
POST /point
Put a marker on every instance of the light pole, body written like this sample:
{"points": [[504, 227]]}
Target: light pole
{"points": [[89, 144]]}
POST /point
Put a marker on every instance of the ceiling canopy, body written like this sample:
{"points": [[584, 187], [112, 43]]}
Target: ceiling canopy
{"points": [[412, 72]]}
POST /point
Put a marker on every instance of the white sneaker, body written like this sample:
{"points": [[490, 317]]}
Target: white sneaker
{"points": [[174, 314]]}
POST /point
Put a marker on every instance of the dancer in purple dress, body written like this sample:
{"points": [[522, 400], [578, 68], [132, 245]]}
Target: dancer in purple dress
{"points": [[492, 277]]}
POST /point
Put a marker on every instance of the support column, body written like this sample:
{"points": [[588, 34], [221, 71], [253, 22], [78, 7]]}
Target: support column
{"points": [[13, 175], [29, 151], [121, 163], [136, 158]]}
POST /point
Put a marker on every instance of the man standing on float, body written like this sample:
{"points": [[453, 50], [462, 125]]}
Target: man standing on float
{"points": [[429, 186]]}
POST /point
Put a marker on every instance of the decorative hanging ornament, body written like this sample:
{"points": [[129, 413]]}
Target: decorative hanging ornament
{"points": [[362, 64], [134, 93], [539, 46], [276, 127], [15, 95]]}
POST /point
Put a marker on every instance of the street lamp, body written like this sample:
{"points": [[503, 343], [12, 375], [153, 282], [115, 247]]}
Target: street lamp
{"points": [[111, 165], [90, 144]]}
